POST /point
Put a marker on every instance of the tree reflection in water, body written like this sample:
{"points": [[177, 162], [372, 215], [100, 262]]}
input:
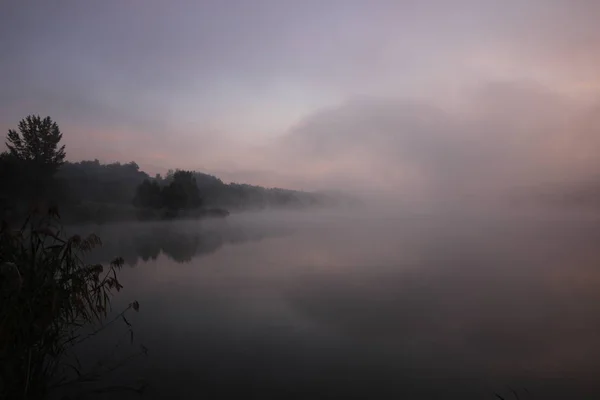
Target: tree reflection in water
{"points": [[179, 240]]}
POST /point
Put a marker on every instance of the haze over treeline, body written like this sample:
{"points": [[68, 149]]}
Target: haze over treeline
{"points": [[34, 171], [416, 102]]}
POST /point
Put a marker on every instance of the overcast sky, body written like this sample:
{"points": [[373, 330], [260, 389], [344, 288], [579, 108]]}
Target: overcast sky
{"points": [[414, 96]]}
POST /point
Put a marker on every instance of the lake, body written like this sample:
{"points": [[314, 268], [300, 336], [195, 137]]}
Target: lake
{"points": [[312, 305]]}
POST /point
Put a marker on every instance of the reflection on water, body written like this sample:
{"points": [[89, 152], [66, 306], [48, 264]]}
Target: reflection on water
{"points": [[181, 241], [317, 307]]}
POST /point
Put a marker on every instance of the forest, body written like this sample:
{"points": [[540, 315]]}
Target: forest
{"points": [[34, 169]]}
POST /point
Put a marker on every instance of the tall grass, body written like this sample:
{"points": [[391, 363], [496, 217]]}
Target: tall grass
{"points": [[47, 295]]}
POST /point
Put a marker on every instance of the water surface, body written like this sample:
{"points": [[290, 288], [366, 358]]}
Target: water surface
{"points": [[334, 305]]}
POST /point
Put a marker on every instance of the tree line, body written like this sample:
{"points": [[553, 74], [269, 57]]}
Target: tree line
{"points": [[180, 193], [34, 167]]}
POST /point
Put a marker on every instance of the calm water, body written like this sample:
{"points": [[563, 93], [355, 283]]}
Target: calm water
{"points": [[310, 306]]}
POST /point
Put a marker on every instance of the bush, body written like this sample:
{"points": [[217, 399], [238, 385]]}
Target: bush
{"points": [[47, 294]]}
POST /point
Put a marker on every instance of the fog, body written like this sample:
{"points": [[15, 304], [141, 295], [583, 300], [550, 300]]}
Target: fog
{"points": [[505, 138], [411, 101], [298, 304], [439, 238]]}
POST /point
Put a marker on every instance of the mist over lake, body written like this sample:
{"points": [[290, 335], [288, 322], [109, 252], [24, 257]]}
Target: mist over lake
{"points": [[360, 305], [310, 199]]}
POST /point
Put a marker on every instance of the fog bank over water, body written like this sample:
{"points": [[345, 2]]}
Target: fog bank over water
{"points": [[297, 304], [505, 139]]}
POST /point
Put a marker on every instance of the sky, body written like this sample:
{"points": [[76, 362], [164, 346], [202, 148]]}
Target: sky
{"points": [[419, 98]]}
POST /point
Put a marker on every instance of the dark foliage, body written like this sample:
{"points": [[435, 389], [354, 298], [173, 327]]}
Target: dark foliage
{"points": [[47, 295], [148, 195], [37, 143], [27, 170], [181, 193], [34, 170], [91, 181]]}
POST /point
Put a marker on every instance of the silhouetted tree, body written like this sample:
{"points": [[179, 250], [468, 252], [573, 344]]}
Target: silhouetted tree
{"points": [[34, 152], [179, 194], [182, 192], [93, 182], [37, 144], [148, 195], [10, 187], [9, 171], [34, 171]]}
